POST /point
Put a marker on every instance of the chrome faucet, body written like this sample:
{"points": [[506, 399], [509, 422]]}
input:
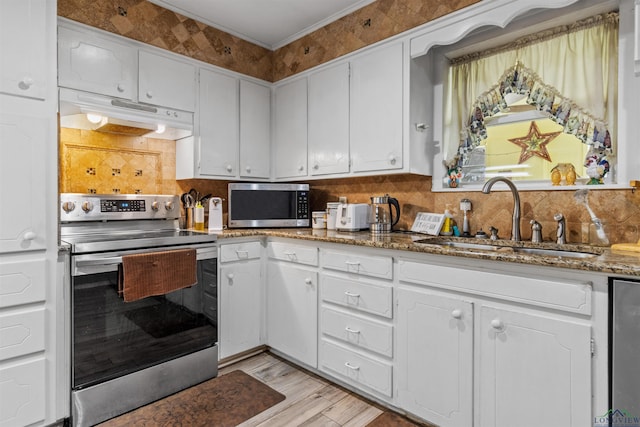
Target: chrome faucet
{"points": [[515, 218], [561, 232]]}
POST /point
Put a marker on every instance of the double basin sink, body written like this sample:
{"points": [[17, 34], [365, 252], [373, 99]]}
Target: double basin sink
{"points": [[507, 246]]}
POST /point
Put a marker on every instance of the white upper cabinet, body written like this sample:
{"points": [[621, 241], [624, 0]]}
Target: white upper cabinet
{"points": [[94, 64], [99, 62], [329, 120], [219, 124], [377, 109], [166, 81], [24, 39], [255, 130], [235, 123], [290, 145]]}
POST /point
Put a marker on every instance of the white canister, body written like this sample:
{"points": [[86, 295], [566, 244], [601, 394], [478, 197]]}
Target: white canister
{"points": [[318, 219], [332, 213]]}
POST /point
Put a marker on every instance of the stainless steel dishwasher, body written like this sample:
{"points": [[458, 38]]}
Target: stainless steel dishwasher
{"points": [[625, 347]]}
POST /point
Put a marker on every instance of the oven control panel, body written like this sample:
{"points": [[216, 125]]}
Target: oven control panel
{"points": [[122, 205], [105, 207]]}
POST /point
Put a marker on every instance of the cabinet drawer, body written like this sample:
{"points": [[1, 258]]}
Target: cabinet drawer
{"points": [[293, 253], [23, 393], [356, 368], [21, 333], [22, 282], [366, 296], [367, 265], [364, 333], [560, 294], [239, 251]]}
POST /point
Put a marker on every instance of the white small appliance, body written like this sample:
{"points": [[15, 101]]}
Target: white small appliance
{"points": [[215, 214], [353, 217]]}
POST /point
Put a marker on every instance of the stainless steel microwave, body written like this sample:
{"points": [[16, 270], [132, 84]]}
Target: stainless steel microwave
{"points": [[254, 205]]}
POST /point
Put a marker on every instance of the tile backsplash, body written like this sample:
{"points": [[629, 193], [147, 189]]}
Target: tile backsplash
{"points": [[94, 162], [618, 209]]}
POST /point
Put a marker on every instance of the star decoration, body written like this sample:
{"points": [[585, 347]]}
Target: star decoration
{"points": [[534, 143]]}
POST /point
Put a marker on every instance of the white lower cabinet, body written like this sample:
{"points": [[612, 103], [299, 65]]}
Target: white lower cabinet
{"points": [[495, 355], [356, 320], [23, 391], [292, 311], [241, 301], [435, 357], [533, 370]]}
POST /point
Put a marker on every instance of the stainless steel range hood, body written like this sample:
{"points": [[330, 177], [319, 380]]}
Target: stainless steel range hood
{"points": [[89, 111]]}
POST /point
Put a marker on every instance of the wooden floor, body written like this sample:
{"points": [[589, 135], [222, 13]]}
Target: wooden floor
{"points": [[310, 400]]}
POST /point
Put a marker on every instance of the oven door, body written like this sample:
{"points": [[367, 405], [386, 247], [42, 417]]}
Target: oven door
{"points": [[112, 338]]}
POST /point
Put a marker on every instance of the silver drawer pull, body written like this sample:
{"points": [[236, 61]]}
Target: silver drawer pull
{"points": [[352, 367], [350, 294], [351, 331], [350, 263], [242, 254]]}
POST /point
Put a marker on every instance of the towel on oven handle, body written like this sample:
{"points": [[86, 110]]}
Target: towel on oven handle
{"points": [[156, 273]]}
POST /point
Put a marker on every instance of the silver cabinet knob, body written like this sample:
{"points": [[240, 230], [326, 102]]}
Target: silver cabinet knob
{"points": [[120, 88], [456, 314], [149, 94], [30, 235]]}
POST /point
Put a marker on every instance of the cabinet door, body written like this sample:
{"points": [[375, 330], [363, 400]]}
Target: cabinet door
{"points": [[240, 307], [93, 64], [166, 82], [24, 37], [435, 357], [377, 110], [218, 124], [290, 143], [255, 130], [22, 387], [292, 312], [533, 370], [329, 120], [23, 168]]}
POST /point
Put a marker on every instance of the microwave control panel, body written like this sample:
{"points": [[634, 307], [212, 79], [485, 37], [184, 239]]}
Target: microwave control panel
{"points": [[303, 205]]}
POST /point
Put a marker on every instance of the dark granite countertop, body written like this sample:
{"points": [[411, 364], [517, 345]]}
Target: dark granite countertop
{"points": [[604, 260]]}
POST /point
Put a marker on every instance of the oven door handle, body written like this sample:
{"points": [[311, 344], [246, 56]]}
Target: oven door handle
{"points": [[99, 261]]}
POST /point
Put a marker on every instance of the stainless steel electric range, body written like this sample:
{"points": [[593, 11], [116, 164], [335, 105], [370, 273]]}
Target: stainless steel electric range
{"points": [[127, 354]]}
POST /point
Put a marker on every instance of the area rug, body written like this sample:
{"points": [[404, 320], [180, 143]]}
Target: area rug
{"points": [[225, 401], [391, 419]]}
